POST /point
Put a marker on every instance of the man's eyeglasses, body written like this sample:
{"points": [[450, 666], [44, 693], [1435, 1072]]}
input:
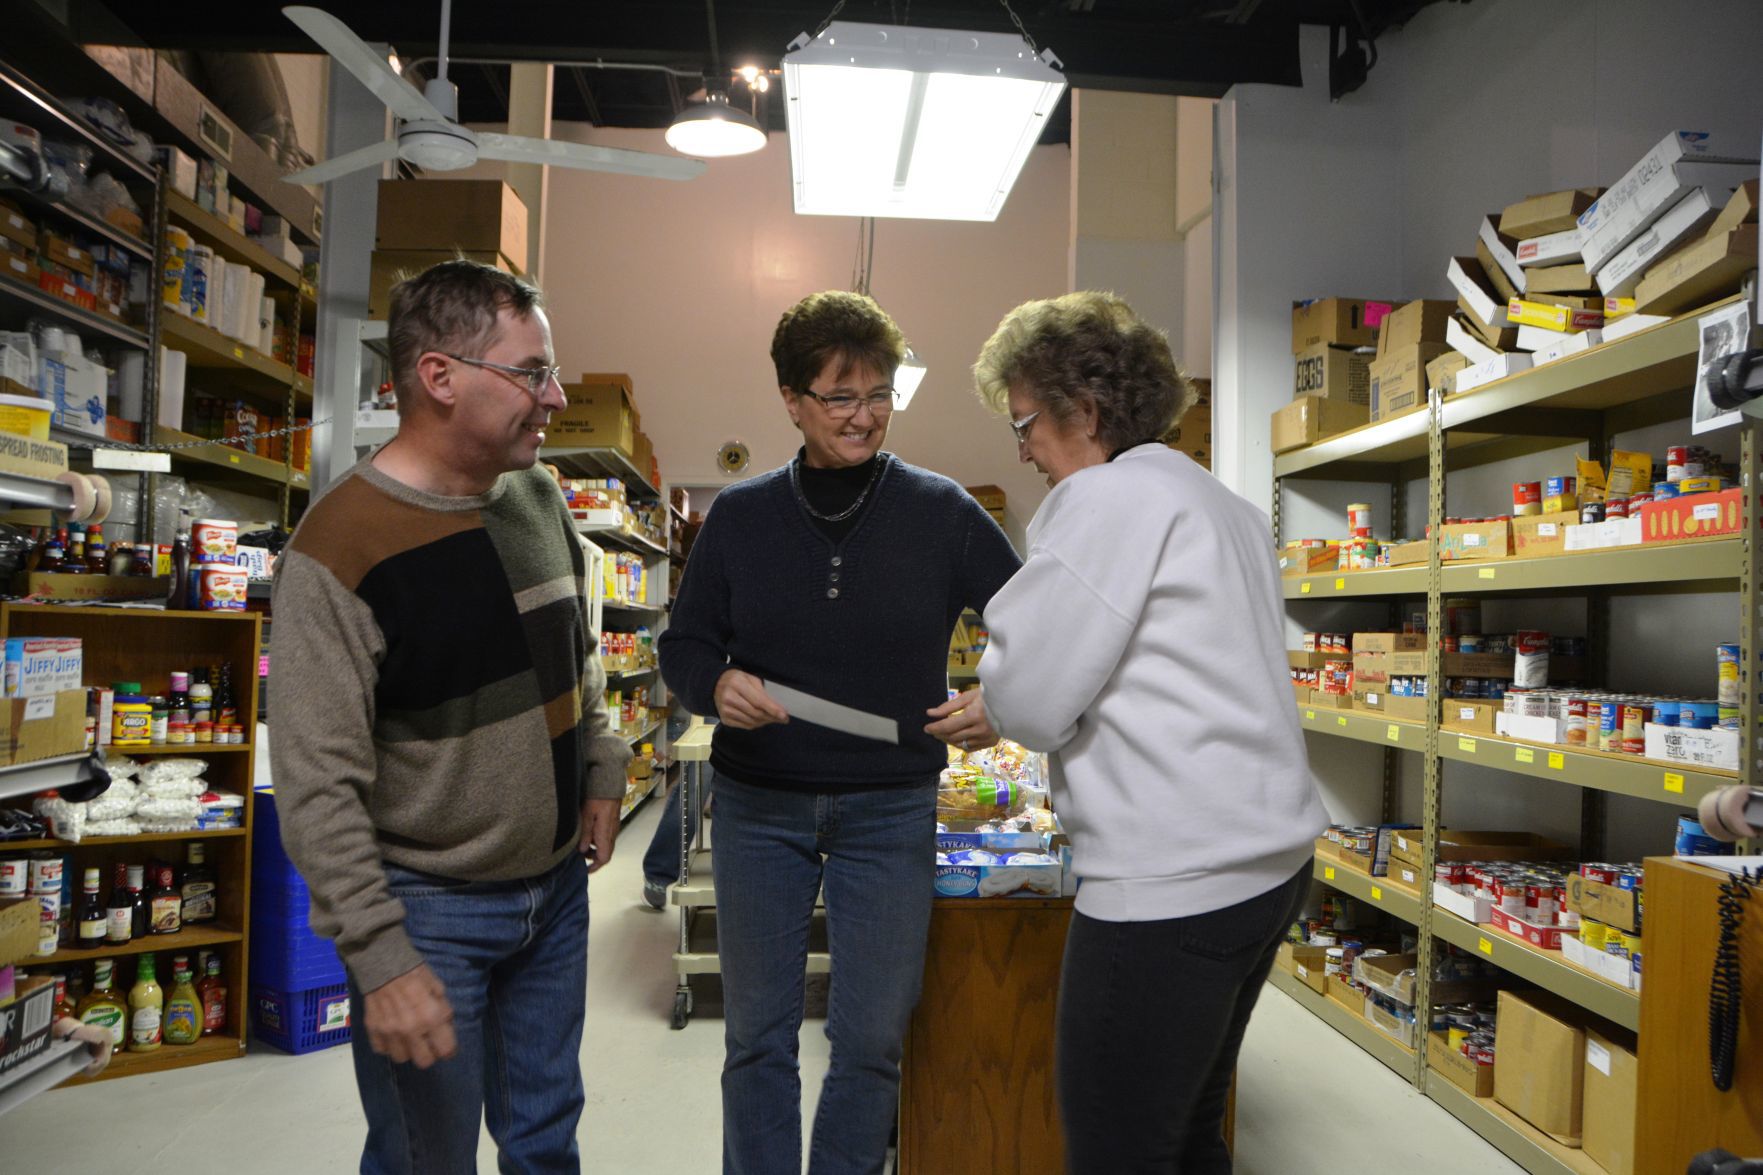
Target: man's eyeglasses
{"points": [[841, 407], [534, 379], [1021, 427]]}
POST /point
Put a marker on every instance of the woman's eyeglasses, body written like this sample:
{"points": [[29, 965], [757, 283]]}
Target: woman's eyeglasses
{"points": [[841, 407], [1021, 427]]}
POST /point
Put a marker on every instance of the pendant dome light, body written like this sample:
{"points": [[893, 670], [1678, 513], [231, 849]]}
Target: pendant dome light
{"points": [[714, 128]]}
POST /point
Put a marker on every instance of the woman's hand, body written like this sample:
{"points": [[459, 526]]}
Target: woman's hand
{"points": [[741, 702], [97, 1041], [962, 722]]}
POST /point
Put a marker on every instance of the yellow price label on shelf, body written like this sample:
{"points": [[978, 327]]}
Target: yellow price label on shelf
{"points": [[1526, 755], [1557, 760], [1341, 720], [1487, 572], [1466, 744], [233, 457], [1304, 588], [239, 353], [1674, 783], [1309, 716], [1394, 733], [1486, 946], [1328, 873], [1377, 893], [1340, 585]]}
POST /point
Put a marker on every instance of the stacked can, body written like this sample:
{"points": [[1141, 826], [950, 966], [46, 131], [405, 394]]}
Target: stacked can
{"points": [[1686, 461], [1560, 494], [1360, 554], [1730, 691], [1527, 498], [46, 872], [1359, 520]]}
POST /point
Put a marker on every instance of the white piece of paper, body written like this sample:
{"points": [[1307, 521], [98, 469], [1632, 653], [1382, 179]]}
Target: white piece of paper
{"points": [[821, 712], [1598, 1057], [1730, 864]]}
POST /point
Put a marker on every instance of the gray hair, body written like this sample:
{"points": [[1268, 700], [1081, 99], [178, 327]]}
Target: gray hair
{"points": [[451, 306], [1088, 345]]}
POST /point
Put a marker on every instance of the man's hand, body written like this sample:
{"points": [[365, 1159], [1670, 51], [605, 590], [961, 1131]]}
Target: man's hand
{"points": [[741, 701], [962, 722], [97, 1040], [599, 831], [409, 1019]]}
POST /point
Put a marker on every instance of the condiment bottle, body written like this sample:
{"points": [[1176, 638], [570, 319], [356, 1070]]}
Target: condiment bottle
{"points": [[212, 991], [102, 1007], [183, 1010], [167, 903], [146, 1008], [198, 887], [120, 916]]}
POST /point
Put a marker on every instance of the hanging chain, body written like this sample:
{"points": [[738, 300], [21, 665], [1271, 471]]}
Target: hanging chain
{"points": [[243, 438], [1019, 26], [837, 8]]}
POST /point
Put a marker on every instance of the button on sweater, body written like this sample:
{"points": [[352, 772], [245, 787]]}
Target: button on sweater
{"points": [[864, 622]]}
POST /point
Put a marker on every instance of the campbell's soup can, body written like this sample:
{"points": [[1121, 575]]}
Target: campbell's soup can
{"points": [[1635, 716], [14, 877], [1591, 513], [1527, 498], [46, 873], [1615, 508], [1676, 457], [214, 540], [221, 587]]}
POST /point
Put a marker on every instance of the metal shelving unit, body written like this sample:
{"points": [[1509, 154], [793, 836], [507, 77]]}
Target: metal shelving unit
{"points": [[1355, 1028], [1634, 382]]}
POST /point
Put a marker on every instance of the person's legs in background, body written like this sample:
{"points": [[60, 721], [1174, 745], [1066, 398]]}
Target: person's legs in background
{"points": [[1151, 1017], [879, 880], [661, 860], [767, 869]]}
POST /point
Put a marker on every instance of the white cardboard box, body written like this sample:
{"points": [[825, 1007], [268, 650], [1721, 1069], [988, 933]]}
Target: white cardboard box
{"points": [[1466, 906], [1685, 219], [1680, 161], [1471, 286], [1572, 344], [1599, 536], [1694, 748], [1540, 338], [1463, 340], [1499, 367], [1535, 730], [1628, 324], [1501, 250], [1554, 249]]}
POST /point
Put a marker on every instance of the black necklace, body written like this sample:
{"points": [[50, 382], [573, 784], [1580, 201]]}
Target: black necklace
{"points": [[796, 482]]}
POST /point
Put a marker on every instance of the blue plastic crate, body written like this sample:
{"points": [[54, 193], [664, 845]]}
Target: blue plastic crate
{"points": [[289, 956], [301, 1021], [269, 860], [280, 901]]}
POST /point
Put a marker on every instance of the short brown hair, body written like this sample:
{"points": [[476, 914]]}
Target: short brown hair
{"points": [[1087, 344], [834, 324], [451, 306]]}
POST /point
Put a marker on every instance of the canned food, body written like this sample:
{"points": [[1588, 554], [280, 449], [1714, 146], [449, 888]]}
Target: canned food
{"points": [[221, 587], [14, 877], [1462, 614], [1591, 513], [46, 873], [1664, 491], [1359, 520], [1333, 959], [1527, 498], [214, 540], [1592, 935], [1634, 727], [1726, 659], [1615, 508], [1700, 485], [1469, 643], [1609, 725], [1676, 457], [1458, 1037], [1576, 716], [1728, 718], [1667, 713], [1698, 715]]}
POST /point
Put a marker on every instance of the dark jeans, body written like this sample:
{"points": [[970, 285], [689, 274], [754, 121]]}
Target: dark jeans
{"points": [[874, 854], [1151, 1017], [661, 861], [513, 956]]}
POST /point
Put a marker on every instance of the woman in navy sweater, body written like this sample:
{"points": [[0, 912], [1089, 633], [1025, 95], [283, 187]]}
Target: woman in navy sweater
{"points": [[841, 575]]}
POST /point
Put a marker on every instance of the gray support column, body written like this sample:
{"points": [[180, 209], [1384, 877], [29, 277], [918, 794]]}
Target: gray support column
{"points": [[529, 113]]}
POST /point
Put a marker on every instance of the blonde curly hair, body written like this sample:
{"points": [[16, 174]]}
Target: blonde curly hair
{"points": [[1087, 345]]}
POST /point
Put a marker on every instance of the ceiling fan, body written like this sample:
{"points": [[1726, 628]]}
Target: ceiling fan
{"points": [[429, 134]]}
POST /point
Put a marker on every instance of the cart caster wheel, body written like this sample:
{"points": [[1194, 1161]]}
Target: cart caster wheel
{"points": [[682, 1010]]}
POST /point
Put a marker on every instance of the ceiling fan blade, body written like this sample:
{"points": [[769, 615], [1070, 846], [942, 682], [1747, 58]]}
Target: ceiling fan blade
{"points": [[369, 68], [356, 160], [519, 149]]}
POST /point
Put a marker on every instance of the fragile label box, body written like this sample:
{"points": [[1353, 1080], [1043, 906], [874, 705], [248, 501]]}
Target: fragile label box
{"points": [[1334, 373], [1345, 322], [601, 415], [1309, 419], [1398, 379], [1692, 518], [1539, 1073], [470, 215]]}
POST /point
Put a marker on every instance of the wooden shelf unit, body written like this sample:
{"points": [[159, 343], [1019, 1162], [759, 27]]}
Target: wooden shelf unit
{"points": [[121, 644]]}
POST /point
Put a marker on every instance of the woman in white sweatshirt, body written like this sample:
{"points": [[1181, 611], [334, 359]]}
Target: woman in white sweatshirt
{"points": [[1142, 646]]}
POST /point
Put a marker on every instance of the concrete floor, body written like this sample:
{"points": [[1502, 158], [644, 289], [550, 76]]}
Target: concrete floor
{"points": [[1307, 1099]]}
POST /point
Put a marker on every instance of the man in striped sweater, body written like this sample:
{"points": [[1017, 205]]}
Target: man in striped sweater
{"points": [[442, 756]]}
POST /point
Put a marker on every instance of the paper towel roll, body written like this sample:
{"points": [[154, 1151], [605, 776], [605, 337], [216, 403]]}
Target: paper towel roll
{"points": [[233, 299], [173, 366], [131, 387], [203, 283], [266, 325], [250, 328]]}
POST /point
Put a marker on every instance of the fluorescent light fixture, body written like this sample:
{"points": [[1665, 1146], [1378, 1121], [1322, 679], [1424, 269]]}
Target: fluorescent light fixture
{"points": [[907, 377], [712, 129], [913, 122]]}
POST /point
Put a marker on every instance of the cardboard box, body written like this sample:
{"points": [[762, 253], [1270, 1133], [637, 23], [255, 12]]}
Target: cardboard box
{"points": [[1505, 286], [32, 458], [16, 226], [1298, 659], [1308, 965], [1407, 554], [48, 586], [1680, 161], [990, 497], [1601, 536], [1326, 701], [1572, 344], [1334, 373], [1502, 339], [1412, 324], [63, 252], [1282, 958], [1693, 518], [1404, 709], [1550, 250], [1300, 561], [1552, 317], [1389, 642], [1610, 904], [1309, 419], [1741, 208], [388, 267], [1542, 534], [1476, 541], [1470, 715], [24, 1023], [20, 928], [20, 268], [1192, 435], [644, 455], [476, 216], [1502, 251], [1698, 274], [1611, 1103], [1398, 379], [1345, 322], [1694, 748], [1397, 1029], [1568, 278], [1553, 212], [1684, 221], [1463, 845], [1630, 324], [1346, 995], [43, 727], [1497, 368], [601, 415], [1467, 345], [1476, 294], [1545, 937], [1540, 1072], [1468, 907], [1473, 1079]]}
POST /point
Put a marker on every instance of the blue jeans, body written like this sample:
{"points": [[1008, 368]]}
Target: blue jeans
{"points": [[875, 854], [513, 956], [661, 861]]}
